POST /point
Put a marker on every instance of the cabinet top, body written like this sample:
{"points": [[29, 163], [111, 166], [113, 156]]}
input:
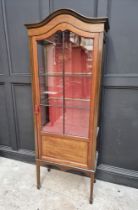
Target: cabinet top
{"points": [[92, 20]]}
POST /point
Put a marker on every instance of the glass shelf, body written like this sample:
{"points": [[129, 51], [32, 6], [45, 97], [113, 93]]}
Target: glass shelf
{"points": [[65, 74], [67, 107], [72, 99]]}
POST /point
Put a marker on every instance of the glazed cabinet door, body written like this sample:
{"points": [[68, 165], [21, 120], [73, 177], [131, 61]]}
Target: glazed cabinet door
{"points": [[65, 77]]}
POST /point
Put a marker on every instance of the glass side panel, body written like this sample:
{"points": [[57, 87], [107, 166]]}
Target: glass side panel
{"points": [[65, 73]]}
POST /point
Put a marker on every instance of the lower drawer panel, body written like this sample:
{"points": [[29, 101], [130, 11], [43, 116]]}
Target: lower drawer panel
{"points": [[71, 150]]}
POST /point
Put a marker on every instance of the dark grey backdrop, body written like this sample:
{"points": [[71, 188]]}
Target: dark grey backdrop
{"points": [[118, 160]]}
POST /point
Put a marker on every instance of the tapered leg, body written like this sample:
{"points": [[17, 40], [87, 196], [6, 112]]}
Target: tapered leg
{"points": [[91, 187], [38, 174]]}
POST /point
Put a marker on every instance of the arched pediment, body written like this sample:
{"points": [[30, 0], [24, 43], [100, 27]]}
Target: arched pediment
{"points": [[65, 19]]}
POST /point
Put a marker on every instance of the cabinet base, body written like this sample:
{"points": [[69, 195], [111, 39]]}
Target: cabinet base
{"points": [[90, 173]]}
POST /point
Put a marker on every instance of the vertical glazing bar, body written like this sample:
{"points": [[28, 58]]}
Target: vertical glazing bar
{"points": [[63, 77]]}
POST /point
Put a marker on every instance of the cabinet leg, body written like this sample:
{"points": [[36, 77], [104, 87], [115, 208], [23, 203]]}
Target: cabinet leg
{"points": [[38, 174], [48, 168], [91, 187], [94, 178]]}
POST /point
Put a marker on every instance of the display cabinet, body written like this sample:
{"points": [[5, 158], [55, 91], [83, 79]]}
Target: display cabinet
{"points": [[66, 57]]}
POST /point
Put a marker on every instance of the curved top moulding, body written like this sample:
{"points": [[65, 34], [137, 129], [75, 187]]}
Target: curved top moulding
{"points": [[65, 17]]}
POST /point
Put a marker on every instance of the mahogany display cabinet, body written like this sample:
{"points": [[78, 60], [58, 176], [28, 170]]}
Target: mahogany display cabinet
{"points": [[66, 58]]}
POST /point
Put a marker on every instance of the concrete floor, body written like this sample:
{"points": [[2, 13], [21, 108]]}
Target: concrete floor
{"points": [[59, 191]]}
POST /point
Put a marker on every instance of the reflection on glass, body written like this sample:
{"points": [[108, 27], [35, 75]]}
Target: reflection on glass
{"points": [[65, 73]]}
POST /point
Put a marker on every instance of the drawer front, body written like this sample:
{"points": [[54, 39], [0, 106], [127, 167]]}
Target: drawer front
{"points": [[65, 150]]}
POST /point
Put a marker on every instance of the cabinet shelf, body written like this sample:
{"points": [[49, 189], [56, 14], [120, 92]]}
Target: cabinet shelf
{"points": [[65, 74], [71, 99], [66, 107]]}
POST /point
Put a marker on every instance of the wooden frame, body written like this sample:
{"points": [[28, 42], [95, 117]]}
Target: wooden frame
{"points": [[67, 159]]}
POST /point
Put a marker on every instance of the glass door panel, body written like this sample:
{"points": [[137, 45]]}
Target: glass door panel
{"points": [[65, 75]]}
